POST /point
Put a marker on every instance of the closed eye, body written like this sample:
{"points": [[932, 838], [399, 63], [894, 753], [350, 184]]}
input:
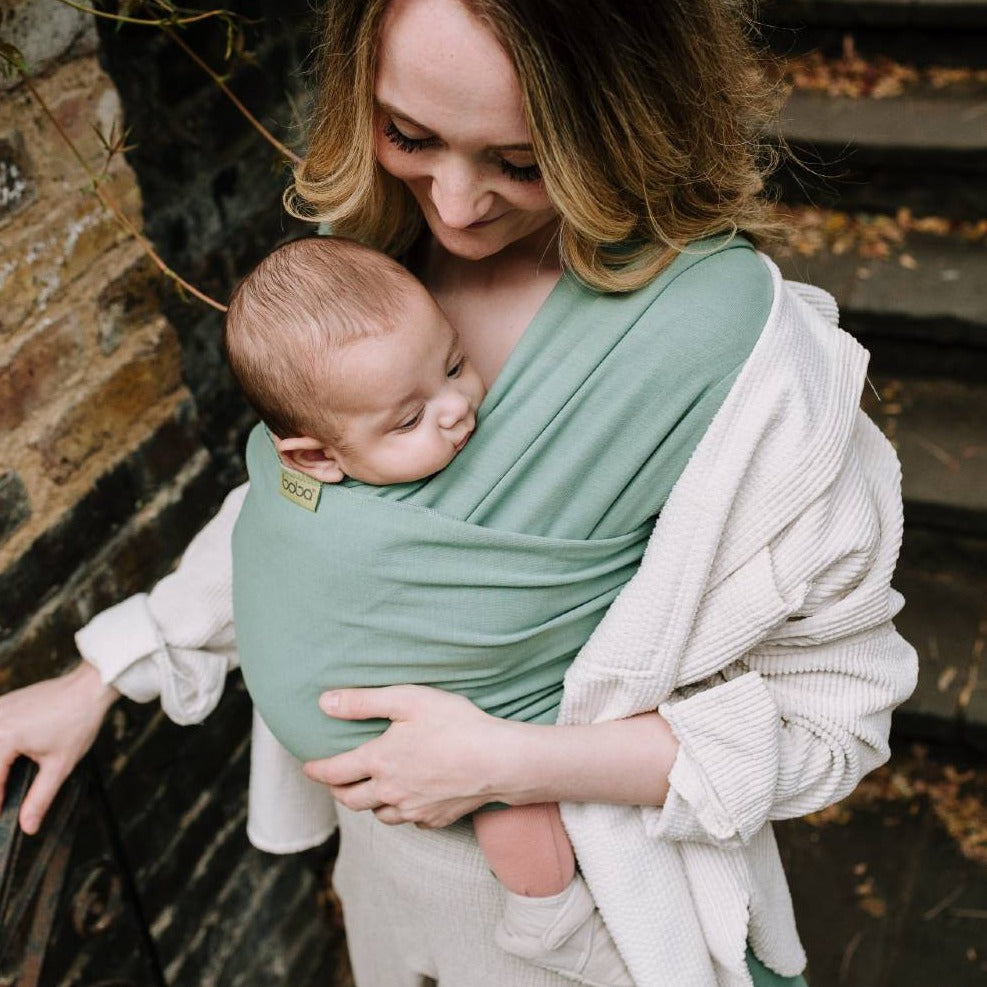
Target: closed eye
{"points": [[456, 369], [519, 173], [405, 143], [412, 422]]}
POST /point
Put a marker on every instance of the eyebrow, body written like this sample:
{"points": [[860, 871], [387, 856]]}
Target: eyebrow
{"points": [[394, 111]]}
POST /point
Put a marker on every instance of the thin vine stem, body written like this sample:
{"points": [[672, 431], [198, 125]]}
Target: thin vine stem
{"points": [[231, 96], [173, 20], [107, 201]]}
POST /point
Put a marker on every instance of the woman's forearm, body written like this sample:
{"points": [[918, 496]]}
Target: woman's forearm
{"points": [[442, 757], [622, 761]]}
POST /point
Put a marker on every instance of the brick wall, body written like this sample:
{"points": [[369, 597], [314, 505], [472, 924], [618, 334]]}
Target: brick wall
{"points": [[119, 426], [94, 416], [119, 434]]}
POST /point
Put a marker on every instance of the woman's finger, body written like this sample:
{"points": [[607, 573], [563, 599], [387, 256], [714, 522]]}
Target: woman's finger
{"points": [[389, 815], [387, 702], [359, 797], [40, 795], [341, 770]]}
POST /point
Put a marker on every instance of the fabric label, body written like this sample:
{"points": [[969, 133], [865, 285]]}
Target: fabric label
{"points": [[300, 489]]}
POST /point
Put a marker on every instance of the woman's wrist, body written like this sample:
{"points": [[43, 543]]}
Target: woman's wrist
{"points": [[95, 693], [625, 762]]}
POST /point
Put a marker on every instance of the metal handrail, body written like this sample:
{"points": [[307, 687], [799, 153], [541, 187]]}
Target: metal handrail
{"points": [[29, 895]]}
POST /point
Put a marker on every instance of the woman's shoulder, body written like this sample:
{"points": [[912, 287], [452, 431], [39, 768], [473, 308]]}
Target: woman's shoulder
{"points": [[712, 303], [719, 275]]}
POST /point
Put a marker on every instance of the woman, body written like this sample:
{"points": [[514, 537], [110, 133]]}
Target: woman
{"points": [[599, 139]]}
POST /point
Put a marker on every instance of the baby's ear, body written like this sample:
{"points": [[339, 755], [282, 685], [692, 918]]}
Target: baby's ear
{"points": [[309, 456]]}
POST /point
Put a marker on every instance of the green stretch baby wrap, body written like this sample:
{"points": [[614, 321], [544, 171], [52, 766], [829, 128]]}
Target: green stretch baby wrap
{"points": [[487, 578]]}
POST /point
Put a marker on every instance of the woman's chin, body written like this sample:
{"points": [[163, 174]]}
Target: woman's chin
{"points": [[469, 244], [486, 240]]}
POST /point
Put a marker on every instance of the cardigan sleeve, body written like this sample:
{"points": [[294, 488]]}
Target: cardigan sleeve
{"points": [[803, 714], [177, 641]]}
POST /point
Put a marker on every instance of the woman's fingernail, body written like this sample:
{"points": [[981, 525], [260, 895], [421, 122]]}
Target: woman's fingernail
{"points": [[329, 702]]}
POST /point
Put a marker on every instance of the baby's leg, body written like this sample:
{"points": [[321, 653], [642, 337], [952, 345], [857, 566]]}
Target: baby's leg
{"points": [[549, 917], [527, 848]]}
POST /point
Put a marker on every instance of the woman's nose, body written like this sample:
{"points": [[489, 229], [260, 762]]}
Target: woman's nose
{"points": [[458, 195]]}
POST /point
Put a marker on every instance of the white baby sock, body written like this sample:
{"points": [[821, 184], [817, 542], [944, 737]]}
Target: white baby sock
{"points": [[563, 933]]}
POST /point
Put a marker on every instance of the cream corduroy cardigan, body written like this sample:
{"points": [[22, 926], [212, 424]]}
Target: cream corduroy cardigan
{"points": [[759, 624]]}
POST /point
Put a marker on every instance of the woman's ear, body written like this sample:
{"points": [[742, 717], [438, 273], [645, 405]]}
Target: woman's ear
{"points": [[309, 456]]}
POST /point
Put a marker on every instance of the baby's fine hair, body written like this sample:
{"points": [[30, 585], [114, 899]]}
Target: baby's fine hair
{"points": [[286, 318]]}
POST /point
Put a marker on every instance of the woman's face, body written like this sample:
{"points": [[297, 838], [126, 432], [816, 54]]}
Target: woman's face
{"points": [[450, 125]]}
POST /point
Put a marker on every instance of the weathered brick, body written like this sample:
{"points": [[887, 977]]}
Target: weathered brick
{"points": [[17, 188], [107, 408], [43, 31], [132, 297], [41, 260], [15, 508], [37, 369], [56, 554]]}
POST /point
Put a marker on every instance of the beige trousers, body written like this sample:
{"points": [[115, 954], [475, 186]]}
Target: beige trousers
{"points": [[420, 908]]}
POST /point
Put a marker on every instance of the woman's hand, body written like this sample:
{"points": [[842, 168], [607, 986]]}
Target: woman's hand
{"points": [[434, 764], [442, 757], [53, 723]]}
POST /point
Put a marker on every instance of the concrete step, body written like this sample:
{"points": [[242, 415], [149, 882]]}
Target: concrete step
{"points": [[939, 428], [944, 582], [956, 14], [924, 32], [925, 149], [918, 301], [890, 885]]}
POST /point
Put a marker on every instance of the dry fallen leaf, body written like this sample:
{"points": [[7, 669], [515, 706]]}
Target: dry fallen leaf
{"points": [[958, 798], [811, 230], [856, 77]]}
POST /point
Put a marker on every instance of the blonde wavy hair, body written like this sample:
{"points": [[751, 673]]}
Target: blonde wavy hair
{"points": [[650, 122]]}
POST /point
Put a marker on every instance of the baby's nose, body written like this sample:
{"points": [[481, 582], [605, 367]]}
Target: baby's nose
{"points": [[455, 407]]}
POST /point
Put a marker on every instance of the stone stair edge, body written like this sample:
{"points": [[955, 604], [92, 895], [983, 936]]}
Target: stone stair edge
{"points": [[928, 289], [878, 13], [940, 122]]}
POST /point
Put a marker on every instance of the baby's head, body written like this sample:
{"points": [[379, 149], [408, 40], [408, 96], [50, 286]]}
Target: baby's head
{"points": [[350, 363]]}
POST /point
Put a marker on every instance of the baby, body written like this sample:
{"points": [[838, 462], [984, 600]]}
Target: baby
{"points": [[357, 373]]}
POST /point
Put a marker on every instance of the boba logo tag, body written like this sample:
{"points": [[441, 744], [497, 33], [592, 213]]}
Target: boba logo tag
{"points": [[300, 489]]}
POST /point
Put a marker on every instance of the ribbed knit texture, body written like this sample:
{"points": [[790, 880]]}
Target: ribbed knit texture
{"points": [[770, 564]]}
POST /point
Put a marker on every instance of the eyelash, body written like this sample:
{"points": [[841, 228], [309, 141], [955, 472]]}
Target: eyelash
{"points": [[456, 369], [405, 143], [408, 425], [516, 173], [529, 173]]}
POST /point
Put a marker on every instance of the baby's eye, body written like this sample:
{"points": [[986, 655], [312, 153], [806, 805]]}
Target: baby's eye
{"points": [[456, 369], [405, 143], [410, 423]]}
